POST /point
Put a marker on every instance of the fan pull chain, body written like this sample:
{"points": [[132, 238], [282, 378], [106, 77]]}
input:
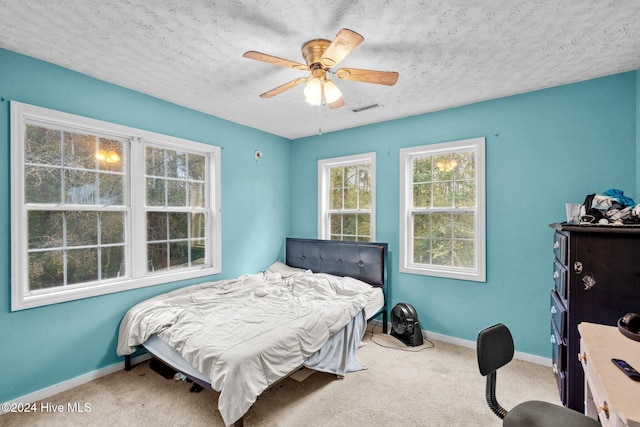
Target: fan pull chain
{"points": [[320, 119]]}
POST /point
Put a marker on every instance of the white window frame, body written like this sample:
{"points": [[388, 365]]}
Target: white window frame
{"points": [[478, 272], [136, 253], [324, 196]]}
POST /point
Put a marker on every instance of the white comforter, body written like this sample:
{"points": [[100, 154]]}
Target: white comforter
{"points": [[249, 332]]}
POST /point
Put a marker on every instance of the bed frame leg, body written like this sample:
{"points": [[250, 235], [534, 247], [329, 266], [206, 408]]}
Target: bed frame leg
{"points": [[384, 321], [127, 362]]}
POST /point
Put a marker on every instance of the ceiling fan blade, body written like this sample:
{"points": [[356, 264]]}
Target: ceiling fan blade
{"points": [[388, 78], [345, 41], [259, 56], [278, 90], [337, 103]]}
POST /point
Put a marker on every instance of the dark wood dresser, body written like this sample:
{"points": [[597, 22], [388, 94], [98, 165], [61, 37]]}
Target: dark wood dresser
{"points": [[596, 271]]}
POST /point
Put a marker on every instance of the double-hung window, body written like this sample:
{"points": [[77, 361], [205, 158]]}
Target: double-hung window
{"points": [[346, 198], [442, 210], [99, 208]]}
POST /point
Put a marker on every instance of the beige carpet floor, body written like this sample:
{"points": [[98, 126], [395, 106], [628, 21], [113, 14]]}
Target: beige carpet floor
{"points": [[402, 386]]}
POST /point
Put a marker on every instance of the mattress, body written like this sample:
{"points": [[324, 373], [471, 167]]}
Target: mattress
{"points": [[170, 356], [266, 325]]}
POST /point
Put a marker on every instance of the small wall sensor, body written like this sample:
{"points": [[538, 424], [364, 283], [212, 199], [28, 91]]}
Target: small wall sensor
{"points": [[258, 155]]}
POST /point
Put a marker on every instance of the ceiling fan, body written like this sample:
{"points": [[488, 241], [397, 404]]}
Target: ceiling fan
{"points": [[320, 56]]}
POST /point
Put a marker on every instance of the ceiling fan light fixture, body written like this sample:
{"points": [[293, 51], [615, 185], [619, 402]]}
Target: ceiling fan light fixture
{"points": [[331, 92], [313, 92]]}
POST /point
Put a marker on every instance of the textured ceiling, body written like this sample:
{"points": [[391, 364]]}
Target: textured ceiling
{"points": [[448, 52]]}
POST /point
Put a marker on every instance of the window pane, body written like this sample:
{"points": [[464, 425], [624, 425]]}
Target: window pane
{"points": [[45, 229], [46, 269], [466, 165], [349, 224], [155, 191], [112, 227], [365, 197], [336, 199], [463, 254], [443, 194], [422, 169], [196, 195], [421, 225], [42, 184], [363, 224], [82, 228], [110, 155], [197, 252], [178, 225], [156, 226], [79, 151], [80, 187], [350, 198], [336, 177], [441, 252], [178, 254], [336, 224], [198, 226], [177, 193], [444, 166], [422, 195], [111, 189], [43, 146], [197, 166], [422, 251], [465, 195], [351, 176], [441, 225], [464, 225], [154, 160], [176, 164], [113, 262], [156, 257], [82, 265]]}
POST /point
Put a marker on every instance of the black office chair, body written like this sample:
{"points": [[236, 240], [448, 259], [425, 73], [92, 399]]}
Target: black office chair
{"points": [[495, 349]]}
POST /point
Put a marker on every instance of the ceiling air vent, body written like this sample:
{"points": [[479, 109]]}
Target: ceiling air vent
{"points": [[366, 107]]}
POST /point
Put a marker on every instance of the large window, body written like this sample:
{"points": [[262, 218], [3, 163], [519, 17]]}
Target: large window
{"points": [[346, 198], [442, 210], [99, 208]]}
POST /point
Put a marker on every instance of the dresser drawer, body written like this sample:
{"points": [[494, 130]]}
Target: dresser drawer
{"points": [[558, 351], [558, 316], [560, 279], [560, 247]]}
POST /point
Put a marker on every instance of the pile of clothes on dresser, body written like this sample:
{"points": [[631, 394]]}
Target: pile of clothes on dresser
{"points": [[610, 207]]}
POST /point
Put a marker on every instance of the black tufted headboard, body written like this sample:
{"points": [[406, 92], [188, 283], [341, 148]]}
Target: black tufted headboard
{"points": [[361, 260]]}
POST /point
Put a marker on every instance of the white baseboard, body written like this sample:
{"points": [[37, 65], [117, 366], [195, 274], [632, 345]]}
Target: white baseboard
{"points": [[74, 382], [538, 360]]}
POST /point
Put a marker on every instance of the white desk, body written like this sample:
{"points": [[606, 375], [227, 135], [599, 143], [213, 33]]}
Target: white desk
{"points": [[609, 393]]}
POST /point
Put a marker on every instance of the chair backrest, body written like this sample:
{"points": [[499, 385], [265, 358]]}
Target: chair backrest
{"points": [[494, 348]]}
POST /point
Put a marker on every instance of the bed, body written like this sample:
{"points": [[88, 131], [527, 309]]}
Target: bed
{"points": [[309, 311]]}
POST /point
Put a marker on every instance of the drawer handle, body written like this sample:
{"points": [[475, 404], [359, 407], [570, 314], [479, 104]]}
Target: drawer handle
{"points": [[553, 339], [556, 244], [556, 274], [582, 357], [553, 309], [604, 408], [555, 368]]}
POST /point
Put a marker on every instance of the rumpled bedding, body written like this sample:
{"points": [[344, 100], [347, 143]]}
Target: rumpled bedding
{"points": [[249, 332]]}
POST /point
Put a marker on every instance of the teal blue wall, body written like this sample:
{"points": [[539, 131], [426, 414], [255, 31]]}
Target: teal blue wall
{"points": [[543, 149], [44, 346]]}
